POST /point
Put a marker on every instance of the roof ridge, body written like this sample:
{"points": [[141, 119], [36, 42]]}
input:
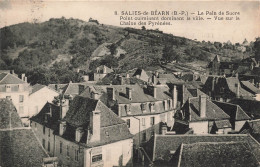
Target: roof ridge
{"points": [[254, 120], [222, 142]]}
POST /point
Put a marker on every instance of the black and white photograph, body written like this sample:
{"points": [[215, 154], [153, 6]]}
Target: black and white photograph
{"points": [[124, 83]]}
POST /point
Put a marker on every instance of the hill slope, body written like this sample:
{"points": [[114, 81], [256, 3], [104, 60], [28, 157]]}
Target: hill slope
{"points": [[86, 45]]}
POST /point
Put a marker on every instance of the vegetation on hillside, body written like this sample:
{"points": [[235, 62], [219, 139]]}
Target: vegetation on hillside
{"points": [[40, 44]]}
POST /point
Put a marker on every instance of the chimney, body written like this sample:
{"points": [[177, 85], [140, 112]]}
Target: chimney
{"points": [[237, 89], [79, 134], [64, 107], [25, 79], [129, 93], [163, 128], [174, 96], [202, 105], [154, 79], [22, 76], [111, 94], [213, 84], [183, 94], [104, 70], [121, 80], [95, 123], [62, 128], [12, 71], [156, 73]]}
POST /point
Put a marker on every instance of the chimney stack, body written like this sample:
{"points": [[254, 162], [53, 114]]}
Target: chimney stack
{"points": [[111, 94], [237, 89], [129, 93], [202, 105], [22, 76], [95, 123], [154, 79], [62, 128], [79, 134], [127, 75], [174, 96], [163, 128], [64, 107]]}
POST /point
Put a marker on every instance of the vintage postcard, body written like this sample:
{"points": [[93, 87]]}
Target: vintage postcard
{"points": [[129, 83]]}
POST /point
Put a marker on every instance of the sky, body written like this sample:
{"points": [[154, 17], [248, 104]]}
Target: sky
{"points": [[18, 11]]}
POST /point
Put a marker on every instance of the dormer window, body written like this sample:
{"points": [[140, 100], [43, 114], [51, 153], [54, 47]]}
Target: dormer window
{"points": [[143, 106], [151, 105]]}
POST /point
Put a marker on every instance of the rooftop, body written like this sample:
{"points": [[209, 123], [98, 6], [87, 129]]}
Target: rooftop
{"points": [[206, 154], [6, 78], [165, 144], [20, 148]]}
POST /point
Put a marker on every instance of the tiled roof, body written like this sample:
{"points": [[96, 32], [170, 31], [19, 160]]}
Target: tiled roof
{"points": [[37, 87], [234, 111], [10, 79], [53, 113], [7, 109], [164, 144], [19, 148], [206, 154], [254, 125], [250, 87], [249, 106], [231, 81], [213, 112], [220, 124], [112, 127]]}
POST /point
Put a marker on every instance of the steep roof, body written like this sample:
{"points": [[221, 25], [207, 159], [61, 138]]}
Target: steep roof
{"points": [[164, 144], [232, 82], [6, 78], [53, 113], [213, 112], [206, 154], [37, 87], [234, 111], [8, 113], [112, 127], [255, 126], [250, 87], [249, 106], [20, 148]]}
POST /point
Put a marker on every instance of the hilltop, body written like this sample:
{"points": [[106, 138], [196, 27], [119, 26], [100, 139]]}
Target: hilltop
{"points": [[61, 45]]}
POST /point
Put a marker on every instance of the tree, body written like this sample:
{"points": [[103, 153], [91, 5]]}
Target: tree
{"points": [[169, 54], [257, 48]]}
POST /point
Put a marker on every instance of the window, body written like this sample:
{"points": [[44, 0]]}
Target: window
{"points": [[49, 145], [60, 147], [76, 155], [43, 143], [128, 123], [97, 158], [143, 121], [21, 98], [43, 130], [152, 120], [143, 106], [68, 150]]}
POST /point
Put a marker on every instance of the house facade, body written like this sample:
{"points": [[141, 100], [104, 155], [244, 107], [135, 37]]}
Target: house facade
{"points": [[39, 96], [17, 90]]}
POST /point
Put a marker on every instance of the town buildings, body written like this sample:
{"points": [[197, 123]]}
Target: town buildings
{"points": [[87, 134]]}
